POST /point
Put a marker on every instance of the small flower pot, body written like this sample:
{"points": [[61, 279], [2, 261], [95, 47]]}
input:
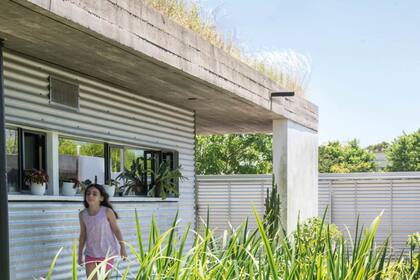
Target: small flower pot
{"points": [[110, 190], [68, 189], [38, 189]]}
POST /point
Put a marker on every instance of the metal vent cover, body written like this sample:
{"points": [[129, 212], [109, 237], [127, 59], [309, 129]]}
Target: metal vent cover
{"points": [[64, 93]]}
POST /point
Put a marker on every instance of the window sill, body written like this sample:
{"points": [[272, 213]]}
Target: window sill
{"points": [[79, 198]]}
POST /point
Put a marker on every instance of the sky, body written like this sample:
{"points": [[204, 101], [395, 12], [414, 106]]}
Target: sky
{"points": [[365, 58]]}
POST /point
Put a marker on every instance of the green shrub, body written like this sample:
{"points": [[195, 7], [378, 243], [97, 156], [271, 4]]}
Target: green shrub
{"points": [[314, 251]]}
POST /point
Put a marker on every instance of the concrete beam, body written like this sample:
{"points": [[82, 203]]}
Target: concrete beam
{"points": [[126, 43], [295, 168]]}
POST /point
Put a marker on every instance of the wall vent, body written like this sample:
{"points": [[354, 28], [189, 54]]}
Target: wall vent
{"points": [[64, 93]]}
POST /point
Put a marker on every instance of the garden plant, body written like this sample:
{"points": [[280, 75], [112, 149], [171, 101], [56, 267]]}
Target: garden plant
{"points": [[314, 251]]}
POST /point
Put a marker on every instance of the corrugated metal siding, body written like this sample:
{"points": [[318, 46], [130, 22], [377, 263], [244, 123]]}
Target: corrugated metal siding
{"points": [[346, 195], [230, 199], [106, 112], [39, 229]]}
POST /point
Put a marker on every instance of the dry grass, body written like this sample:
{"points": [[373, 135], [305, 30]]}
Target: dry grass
{"points": [[289, 69]]}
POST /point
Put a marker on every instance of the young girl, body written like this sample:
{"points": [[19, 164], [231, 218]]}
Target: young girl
{"points": [[99, 232]]}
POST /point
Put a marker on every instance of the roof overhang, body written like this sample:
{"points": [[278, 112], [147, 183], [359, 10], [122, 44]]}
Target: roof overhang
{"points": [[130, 45]]}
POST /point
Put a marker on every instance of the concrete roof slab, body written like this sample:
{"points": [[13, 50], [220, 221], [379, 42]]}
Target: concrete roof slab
{"points": [[128, 44]]}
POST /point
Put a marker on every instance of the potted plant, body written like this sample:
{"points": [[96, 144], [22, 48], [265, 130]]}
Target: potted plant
{"points": [[165, 181], [134, 179], [68, 187], [110, 187], [37, 180], [72, 186]]}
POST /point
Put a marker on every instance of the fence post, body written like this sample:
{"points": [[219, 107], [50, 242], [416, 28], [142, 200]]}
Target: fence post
{"points": [[355, 199], [392, 212], [229, 202], [330, 202]]}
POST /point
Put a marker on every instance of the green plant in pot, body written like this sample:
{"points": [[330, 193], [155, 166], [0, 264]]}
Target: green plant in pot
{"points": [[37, 180], [71, 186], [110, 186], [165, 182], [134, 178]]}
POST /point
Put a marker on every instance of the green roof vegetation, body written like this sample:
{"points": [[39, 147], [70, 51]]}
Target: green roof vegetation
{"points": [[289, 69]]}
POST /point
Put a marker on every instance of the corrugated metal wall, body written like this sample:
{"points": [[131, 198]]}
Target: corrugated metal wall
{"points": [[38, 229], [230, 199], [368, 194], [348, 195]]}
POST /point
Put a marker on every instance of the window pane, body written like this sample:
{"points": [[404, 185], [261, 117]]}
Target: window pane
{"points": [[34, 153], [117, 161], [34, 145], [130, 155], [81, 160], [12, 162], [134, 180]]}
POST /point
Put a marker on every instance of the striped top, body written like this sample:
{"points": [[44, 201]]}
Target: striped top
{"points": [[100, 240]]}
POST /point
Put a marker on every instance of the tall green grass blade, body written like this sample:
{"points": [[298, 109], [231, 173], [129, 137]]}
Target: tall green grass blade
{"points": [[53, 264]]}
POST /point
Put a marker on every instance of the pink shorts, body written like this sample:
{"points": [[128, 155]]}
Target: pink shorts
{"points": [[109, 264]]}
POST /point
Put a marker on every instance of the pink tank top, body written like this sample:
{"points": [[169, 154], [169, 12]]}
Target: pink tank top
{"points": [[100, 240]]}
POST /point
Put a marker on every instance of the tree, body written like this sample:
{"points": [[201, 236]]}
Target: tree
{"points": [[404, 153], [337, 158], [234, 154], [378, 148], [69, 147]]}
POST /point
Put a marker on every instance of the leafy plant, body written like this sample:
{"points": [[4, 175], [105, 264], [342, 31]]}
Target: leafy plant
{"points": [[314, 251], [36, 176], [112, 182], [134, 178], [272, 216], [79, 185], [165, 181]]}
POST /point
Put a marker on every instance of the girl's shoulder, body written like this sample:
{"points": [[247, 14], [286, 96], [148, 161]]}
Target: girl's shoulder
{"points": [[82, 212]]}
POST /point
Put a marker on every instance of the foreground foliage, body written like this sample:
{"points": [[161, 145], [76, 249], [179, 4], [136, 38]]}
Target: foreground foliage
{"points": [[313, 251]]}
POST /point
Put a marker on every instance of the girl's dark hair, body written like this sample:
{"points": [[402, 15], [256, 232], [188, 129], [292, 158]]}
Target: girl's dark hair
{"points": [[104, 194]]}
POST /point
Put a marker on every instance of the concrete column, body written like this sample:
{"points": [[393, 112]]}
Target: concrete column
{"points": [[52, 163], [295, 168]]}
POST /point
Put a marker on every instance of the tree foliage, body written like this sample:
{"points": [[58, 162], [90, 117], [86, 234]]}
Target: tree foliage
{"points": [[338, 158], [378, 148], [69, 147], [234, 154], [404, 153]]}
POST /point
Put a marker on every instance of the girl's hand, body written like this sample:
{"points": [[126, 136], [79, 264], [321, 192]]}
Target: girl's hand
{"points": [[123, 253], [80, 260]]}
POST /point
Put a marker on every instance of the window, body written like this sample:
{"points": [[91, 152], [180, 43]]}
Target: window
{"points": [[12, 159], [81, 160], [33, 153], [25, 150], [135, 169]]}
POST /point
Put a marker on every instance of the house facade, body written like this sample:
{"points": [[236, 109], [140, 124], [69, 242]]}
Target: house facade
{"points": [[91, 86]]}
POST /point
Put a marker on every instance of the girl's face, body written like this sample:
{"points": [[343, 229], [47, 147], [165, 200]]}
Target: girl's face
{"points": [[93, 196]]}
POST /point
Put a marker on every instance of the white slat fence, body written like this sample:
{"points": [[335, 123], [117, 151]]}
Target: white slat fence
{"points": [[348, 196]]}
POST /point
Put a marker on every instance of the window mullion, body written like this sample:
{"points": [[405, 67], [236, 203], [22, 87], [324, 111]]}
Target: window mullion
{"points": [[21, 162]]}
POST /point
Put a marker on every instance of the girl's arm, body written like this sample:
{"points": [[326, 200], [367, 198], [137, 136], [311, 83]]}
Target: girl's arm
{"points": [[82, 239], [116, 230]]}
